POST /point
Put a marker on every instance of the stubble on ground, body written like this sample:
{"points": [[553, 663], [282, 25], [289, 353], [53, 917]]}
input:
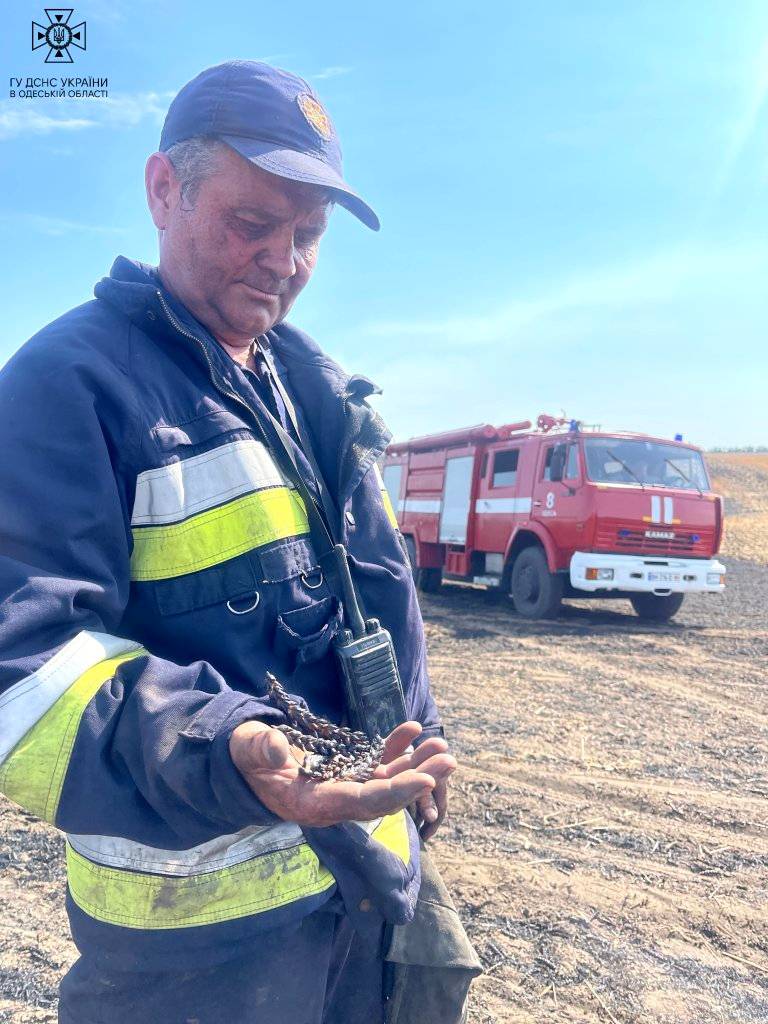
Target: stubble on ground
{"points": [[608, 843]]}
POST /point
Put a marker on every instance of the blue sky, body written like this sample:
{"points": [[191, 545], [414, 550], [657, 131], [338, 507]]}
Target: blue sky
{"points": [[574, 197]]}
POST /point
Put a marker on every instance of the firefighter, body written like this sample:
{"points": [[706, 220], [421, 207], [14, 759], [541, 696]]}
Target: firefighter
{"points": [[157, 561]]}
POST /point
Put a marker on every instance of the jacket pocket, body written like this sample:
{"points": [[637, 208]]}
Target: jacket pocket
{"points": [[234, 582], [197, 430], [288, 560], [307, 632]]}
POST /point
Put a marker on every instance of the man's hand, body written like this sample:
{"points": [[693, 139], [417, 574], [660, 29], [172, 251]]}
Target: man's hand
{"points": [[431, 810], [263, 757]]}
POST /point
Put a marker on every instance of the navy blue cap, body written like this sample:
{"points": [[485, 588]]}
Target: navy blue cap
{"points": [[271, 117]]}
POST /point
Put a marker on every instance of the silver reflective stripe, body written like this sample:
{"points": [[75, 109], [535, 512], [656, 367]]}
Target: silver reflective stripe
{"points": [[27, 701], [669, 511], [418, 505], [655, 508], [509, 505], [218, 853], [370, 826], [172, 493], [221, 852]]}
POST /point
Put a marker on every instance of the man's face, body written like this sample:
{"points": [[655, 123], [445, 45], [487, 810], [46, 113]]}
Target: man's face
{"points": [[239, 254]]}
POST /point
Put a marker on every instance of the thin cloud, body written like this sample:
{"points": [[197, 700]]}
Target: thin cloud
{"points": [[655, 279], [17, 120], [683, 315], [273, 58], [745, 125], [120, 111], [335, 71], [55, 227], [128, 109]]}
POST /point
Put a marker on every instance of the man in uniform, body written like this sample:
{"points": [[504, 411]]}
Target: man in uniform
{"points": [[157, 560]]}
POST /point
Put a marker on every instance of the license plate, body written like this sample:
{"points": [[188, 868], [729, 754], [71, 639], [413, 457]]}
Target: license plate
{"points": [[664, 577]]}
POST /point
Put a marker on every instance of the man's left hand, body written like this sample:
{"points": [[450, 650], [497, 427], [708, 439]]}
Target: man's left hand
{"points": [[431, 810]]}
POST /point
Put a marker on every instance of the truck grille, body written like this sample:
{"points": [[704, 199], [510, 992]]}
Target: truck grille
{"points": [[611, 537]]}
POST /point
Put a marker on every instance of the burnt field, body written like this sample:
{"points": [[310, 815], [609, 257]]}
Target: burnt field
{"points": [[608, 841]]}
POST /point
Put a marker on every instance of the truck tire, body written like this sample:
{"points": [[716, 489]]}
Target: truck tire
{"points": [[428, 581], [656, 607], [536, 592]]}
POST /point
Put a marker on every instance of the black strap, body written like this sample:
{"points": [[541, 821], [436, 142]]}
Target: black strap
{"points": [[265, 389], [330, 508], [331, 554]]}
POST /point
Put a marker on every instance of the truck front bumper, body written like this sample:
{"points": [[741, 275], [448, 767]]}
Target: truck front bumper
{"points": [[645, 574]]}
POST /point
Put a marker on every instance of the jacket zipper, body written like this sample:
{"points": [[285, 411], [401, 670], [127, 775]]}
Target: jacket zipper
{"points": [[211, 371]]}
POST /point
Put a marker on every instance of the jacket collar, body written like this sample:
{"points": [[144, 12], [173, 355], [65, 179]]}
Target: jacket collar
{"points": [[349, 434], [135, 290]]}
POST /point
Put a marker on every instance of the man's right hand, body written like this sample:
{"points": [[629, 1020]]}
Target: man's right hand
{"points": [[263, 757]]}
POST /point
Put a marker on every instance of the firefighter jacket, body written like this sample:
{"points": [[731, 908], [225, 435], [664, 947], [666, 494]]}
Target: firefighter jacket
{"points": [[154, 564]]}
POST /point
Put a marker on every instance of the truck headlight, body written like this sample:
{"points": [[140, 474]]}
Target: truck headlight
{"points": [[715, 579], [599, 574]]}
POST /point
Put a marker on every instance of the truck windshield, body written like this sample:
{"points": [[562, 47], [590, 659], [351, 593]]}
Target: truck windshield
{"points": [[614, 460]]}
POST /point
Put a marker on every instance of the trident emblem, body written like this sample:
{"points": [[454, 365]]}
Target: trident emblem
{"points": [[58, 35]]}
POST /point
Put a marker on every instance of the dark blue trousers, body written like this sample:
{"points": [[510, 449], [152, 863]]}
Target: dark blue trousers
{"points": [[321, 973]]}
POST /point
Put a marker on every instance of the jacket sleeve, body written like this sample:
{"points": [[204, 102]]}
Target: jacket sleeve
{"points": [[97, 736], [407, 628]]}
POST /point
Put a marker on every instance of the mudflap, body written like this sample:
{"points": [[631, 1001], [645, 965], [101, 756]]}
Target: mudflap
{"points": [[430, 963]]}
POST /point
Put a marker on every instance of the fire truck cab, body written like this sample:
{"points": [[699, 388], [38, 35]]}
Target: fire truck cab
{"points": [[559, 511]]}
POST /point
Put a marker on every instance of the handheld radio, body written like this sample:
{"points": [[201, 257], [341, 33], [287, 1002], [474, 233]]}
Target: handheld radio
{"points": [[366, 657], [363, 649]]}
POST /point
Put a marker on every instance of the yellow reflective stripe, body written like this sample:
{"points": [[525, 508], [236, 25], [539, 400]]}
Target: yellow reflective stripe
{"points": [[24, 703], [388, 508], [393, 834], [33, 775], [160, 552], [156, 902], [385, 497]]}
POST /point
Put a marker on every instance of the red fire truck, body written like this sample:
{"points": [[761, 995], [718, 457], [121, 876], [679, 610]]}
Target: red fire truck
{"points": [[559, 511]]}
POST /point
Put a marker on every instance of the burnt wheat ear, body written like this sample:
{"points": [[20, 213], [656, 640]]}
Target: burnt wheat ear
{"points": [[333, 752]]}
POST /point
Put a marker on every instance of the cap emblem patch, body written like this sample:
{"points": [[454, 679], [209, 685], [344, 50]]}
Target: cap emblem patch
{"points": [[315, 114]]}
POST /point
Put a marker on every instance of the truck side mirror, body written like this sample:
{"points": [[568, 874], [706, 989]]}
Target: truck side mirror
{"points": [[557, 463]]}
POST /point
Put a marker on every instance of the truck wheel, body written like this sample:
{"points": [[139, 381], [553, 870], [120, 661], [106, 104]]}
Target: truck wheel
{"points": [[656, 607], [427, 580], [535, 590]]}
